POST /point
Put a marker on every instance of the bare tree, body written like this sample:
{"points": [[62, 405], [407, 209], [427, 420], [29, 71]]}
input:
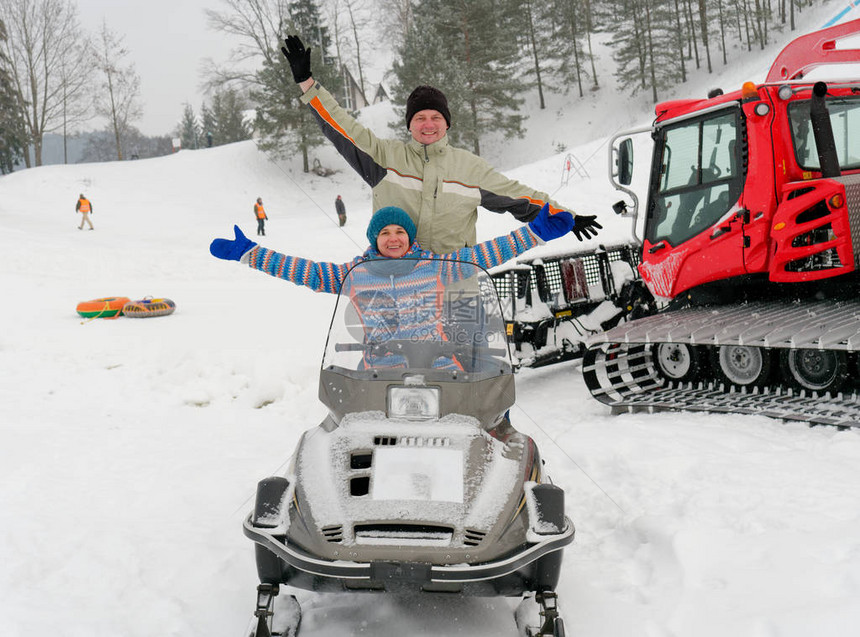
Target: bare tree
{"points": [[589, 30], [334, 11], [357, 20], [46, 54], [258, 26], [531, 37], [396, 19], [349, 16], [722, 29], [703, 24], [119, 97], [679, 35]]}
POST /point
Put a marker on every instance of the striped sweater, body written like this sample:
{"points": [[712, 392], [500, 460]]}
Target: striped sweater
{"points": [[323, 276], [402, 306]]}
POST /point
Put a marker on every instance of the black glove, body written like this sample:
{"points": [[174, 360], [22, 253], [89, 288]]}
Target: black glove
{"points": [[299, 58], [585, 226]]}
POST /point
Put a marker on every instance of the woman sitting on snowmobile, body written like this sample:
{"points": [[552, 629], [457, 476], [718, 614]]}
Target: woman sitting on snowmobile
{"points": [[391, 303]]}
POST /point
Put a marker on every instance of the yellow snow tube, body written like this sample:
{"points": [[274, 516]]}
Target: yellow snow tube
{"points": [[147, 307]]}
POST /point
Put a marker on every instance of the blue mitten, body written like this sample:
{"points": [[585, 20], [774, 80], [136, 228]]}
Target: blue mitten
{"points": [[231, 250], [548, 227]]}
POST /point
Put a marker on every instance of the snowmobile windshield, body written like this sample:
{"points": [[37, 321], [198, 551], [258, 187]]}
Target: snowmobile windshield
{"points": [[438, 317]]}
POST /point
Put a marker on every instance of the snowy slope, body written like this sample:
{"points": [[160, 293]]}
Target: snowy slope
{"points": [[130, 449]]}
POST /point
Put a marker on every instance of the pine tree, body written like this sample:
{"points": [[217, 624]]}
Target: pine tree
{"points": [[189, 129], [467, 49], [642, 61], [207, 124], [537, 41], [705, 29], [570, 42], [424, 59], [228, 117], [285, 124], [11, 128]]}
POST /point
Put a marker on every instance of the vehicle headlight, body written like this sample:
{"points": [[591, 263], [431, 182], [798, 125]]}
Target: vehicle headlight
{"points": [[413, 403]]}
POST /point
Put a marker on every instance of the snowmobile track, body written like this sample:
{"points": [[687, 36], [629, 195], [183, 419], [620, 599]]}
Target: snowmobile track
{"points": [[619, 370]]}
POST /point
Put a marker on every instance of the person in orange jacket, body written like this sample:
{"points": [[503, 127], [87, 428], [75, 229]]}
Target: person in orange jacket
{"points": [[86, 209], [260, 214]]}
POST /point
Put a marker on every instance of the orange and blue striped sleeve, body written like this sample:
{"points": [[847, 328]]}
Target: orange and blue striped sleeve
{"points": [[489, 254], [319, 276]]}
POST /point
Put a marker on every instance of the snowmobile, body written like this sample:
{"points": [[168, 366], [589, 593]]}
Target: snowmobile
{"points": [[416, 480], [751, 244]]}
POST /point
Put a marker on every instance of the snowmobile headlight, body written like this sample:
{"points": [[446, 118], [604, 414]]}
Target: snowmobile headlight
{"points": [[413, 403]]}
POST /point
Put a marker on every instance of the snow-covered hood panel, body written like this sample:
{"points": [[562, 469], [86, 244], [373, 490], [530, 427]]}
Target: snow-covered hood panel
{"points": [[372, 475]]}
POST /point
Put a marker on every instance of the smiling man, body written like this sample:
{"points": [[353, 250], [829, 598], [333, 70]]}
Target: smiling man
{"points": [[427, 116], [439, 186]]}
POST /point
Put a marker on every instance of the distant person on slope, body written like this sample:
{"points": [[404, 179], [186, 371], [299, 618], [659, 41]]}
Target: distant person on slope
{"points": [[86, 209], [341, 210], [260, 215], [438, 185]]}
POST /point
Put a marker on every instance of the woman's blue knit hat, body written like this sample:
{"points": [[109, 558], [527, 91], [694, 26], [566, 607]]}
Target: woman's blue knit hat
{"points": [[386, 216]]}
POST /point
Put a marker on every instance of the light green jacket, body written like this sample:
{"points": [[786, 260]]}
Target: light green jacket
{"points": [[439, 186]]}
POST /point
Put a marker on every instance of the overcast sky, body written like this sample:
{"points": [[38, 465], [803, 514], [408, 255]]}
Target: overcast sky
{"points": [[167, 41]]}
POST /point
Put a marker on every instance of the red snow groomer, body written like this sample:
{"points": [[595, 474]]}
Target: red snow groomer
{"points": [[751, 242]]}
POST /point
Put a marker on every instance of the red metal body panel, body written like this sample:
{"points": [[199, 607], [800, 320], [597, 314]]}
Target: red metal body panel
{"points": [[673, 109], [759, 194], [814, 49], [766, 230], [670, 271], [783, 236]]}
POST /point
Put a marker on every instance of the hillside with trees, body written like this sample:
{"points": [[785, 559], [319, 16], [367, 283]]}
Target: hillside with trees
{"points": [[496, 60]]}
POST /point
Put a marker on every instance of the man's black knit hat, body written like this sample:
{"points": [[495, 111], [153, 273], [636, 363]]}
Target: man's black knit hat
{"points": [[424, 98]]}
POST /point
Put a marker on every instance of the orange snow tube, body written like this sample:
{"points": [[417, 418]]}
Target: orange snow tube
{"points": [[148, 306], [109, 307]]}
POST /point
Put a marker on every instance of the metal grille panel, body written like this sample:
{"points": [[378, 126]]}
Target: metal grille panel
{"points": [[852, 195], [550, 271]]}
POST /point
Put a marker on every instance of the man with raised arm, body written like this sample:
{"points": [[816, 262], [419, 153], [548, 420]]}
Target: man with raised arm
{"points": [[438, 185]]}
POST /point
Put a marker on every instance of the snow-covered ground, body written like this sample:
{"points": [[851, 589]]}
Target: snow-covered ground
{"points": [[130, 449]]}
